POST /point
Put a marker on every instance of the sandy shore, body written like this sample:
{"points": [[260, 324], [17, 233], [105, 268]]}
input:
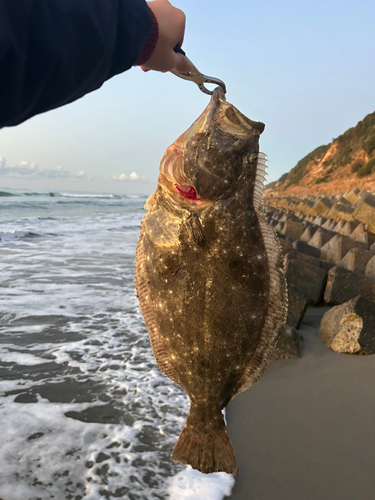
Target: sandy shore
{"points": [[306, 430]]}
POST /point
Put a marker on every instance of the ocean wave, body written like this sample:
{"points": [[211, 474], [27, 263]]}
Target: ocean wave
{"points": [[17, 235], [6, 194], [78, 195], [57, 194], [38, 194]]}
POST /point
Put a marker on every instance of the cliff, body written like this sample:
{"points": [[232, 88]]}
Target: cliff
{"points": [[348, 162]]}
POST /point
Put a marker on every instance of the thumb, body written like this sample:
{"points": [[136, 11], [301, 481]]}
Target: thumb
{"points": [[181, 63]]}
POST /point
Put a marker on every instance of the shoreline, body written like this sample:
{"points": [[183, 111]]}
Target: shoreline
{"points": [[306, 429]]}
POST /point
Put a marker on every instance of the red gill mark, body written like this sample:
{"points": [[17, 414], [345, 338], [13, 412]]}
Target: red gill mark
{"points": [[187, 192]]}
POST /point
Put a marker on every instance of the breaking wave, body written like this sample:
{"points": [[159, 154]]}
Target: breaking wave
{"points": [[5, 193], [17, 235]]}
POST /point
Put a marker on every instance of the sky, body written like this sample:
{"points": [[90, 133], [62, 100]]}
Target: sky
{"points": [[304, 68]]}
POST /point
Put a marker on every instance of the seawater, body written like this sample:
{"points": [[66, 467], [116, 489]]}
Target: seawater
{"points": [[85, 413]]}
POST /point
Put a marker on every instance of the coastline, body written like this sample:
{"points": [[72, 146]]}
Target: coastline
{"points": [[306, 429]]}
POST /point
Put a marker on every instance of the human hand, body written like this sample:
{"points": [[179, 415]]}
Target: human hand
{"points": [[171, 22]]}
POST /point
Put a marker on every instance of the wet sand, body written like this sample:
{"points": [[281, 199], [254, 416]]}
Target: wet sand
{"points": [[306, 430]]}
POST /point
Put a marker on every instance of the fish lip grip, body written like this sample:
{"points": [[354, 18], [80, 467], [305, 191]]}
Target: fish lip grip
{"points": [[194, 75]]}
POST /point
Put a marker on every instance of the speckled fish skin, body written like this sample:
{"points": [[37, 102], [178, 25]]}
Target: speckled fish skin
{"points": [[209, 275]]}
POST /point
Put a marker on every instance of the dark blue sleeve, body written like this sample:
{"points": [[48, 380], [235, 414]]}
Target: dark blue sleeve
{"points": [[55, 51]]}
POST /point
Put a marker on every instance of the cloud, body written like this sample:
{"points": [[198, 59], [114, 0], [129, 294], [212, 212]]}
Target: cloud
{"points": [[132, 177], [121, 177], [27, 170]]}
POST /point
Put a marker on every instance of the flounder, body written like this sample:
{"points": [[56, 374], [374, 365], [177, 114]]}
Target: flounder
{"points": [[209, 275]]}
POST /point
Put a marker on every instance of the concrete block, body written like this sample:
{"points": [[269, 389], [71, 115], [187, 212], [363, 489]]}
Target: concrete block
{"points": [[356, 260], [329, 224], [365, 212], [297, 306], [292, 229], [303, 247], [350, 327], [337, 247], [289, 344], [343, 285], [308, 279], [321, 237], [308, 233], [370, 266]]}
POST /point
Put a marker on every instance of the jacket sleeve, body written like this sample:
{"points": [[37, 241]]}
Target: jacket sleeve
{"points": [[55, 51]]}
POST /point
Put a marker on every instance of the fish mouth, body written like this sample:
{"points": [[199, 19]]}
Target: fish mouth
{"points": [[187, 192]]}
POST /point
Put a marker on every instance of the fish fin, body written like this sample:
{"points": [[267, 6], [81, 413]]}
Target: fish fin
{"points": [[209, 451], [151, 202], [144, 293], [195, 229], [277, 301]]}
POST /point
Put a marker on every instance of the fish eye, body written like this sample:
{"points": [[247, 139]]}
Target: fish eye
{"points": [[252, 157]]}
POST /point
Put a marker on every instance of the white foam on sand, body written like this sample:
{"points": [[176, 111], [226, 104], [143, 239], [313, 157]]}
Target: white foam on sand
{"points": [[191, 484], [20, 358]]}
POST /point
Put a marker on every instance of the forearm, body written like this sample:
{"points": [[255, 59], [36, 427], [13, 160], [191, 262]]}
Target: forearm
{"points": [[55, 51]]}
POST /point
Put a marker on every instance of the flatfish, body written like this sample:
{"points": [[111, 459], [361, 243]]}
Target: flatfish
{"points": [[209, 275]]}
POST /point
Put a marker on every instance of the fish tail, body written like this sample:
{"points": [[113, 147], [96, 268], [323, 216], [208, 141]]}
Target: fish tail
{"points": [[207, 450]]}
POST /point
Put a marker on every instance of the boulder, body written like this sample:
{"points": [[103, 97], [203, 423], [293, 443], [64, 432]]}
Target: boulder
{"points": [[297, 306], [289, 344], [337, 247], [365, 212], [321, 237], [308, 279], [343, 285], [356, 260], [370, 266], [303, 247], [350, 327]]}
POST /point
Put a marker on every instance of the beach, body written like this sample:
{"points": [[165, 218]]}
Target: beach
{"points": [[306, 429]]}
